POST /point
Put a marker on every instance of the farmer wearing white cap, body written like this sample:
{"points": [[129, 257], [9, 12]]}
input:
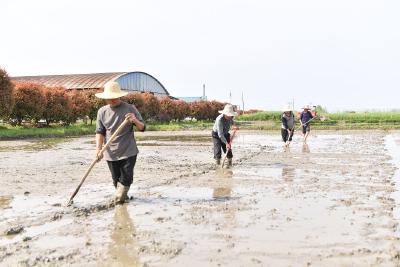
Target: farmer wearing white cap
{"points": [[305, 117], [122, 153], [220, 134], [287, 128]]}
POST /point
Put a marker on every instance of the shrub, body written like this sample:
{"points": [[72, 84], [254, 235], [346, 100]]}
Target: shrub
{"points": [[200, 110], [78, 106], [56, 105], [182, 110], [94, 103], [205, 110], [30, 102], [6, 94], [167, 111], [215, 107], [135, 99], [151, 107]]}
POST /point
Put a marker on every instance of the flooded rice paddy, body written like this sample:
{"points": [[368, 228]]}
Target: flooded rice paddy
{"points": [[333, 202]]}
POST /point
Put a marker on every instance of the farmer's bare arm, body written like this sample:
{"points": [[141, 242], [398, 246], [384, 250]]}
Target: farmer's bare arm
{"points": [[99, 146], [132, 119]]}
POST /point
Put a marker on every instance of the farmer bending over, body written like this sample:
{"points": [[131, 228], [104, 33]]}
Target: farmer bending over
{"points": [[287, 129], [305, 118], [220, 134], [122, 152]]}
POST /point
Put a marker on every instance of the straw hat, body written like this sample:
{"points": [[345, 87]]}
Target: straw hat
{"points": [[286, 109], [228, 111], [112, 90], [307, 107]]}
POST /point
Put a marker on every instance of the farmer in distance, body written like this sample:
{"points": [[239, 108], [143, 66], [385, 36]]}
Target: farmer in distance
{"points": [[305, 118], [221, 136], [287, 127]]}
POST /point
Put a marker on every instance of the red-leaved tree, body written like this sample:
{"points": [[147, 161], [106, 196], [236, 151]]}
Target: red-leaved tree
{"points": [[168, 110], [215, 107], [200, 110], [94, 103], [30, 102], [151, 107], [182, 110], [56, 109], [137, 100], [78, 106], [6, 94]]}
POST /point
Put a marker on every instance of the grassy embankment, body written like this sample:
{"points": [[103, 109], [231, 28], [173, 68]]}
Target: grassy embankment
{"points": [[256, 121], [330, 121], [79, 129]]}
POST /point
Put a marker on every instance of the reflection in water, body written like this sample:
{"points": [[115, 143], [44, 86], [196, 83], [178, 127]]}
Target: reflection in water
{"points": [[306, 148], [224, 188], [222, 192], [286, 149], [123, 247], [5, 202], [288, 174]]}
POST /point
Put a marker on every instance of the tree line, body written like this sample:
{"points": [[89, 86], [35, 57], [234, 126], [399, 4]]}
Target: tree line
{"points": [[30, 102]]}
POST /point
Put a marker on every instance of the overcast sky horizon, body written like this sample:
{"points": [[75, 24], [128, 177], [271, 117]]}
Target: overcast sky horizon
{"points": [[342, 54]]}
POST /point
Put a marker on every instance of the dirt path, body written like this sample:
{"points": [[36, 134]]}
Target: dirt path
{"points": [[332, 203]]}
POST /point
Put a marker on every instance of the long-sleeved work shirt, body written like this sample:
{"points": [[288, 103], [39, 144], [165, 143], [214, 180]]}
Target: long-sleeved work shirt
{"points": [[287, 121], [305, 117], [222, 127]]}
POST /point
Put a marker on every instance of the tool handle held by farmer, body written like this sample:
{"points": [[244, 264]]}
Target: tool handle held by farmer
{"points": [[123, 124], [301, 124], [230, 145]]}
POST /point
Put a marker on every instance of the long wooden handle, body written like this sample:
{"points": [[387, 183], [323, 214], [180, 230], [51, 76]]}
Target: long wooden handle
{"points": [[233, 136], [123, 124], [305, 123]]}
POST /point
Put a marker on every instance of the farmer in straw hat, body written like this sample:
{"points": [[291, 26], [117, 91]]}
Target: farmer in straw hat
{"points": [[121, 154], [287, 128], [220, 134], [305, 117]]}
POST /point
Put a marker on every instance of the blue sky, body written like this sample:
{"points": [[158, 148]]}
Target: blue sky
{"points": [[343, 55]]}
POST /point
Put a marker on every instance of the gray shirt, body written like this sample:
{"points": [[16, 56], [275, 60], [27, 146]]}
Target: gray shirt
{"points": [[108, 120], [222, 127], [287, 121]]}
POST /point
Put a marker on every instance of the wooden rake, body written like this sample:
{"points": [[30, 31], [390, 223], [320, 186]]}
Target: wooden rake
{"points": [[123, 124], [230, 142]]}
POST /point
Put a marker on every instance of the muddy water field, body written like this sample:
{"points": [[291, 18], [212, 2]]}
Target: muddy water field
{"points": [[333, 202]]}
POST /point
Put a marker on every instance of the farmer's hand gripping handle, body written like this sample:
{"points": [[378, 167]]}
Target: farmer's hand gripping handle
{"points": [[230, 145], [123, 124]]}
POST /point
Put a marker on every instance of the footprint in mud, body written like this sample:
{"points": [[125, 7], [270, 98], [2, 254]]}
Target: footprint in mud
{"points": [[14, 230]]}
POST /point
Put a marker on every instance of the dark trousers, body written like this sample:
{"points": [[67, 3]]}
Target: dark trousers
{"points": [[219, 145], [122, 170], [306, 128], [285, 135]]}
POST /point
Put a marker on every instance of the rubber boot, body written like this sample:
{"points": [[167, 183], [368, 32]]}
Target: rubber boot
{"points": [[218, 162], [229, 163], [121, 194]]}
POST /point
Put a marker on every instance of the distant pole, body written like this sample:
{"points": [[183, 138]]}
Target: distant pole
{"points": [[293, 104], [242, 102], [230, 97], [204, 92]]}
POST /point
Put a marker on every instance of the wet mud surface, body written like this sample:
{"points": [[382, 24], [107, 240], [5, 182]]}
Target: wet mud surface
{"points": [[333, 202]]}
